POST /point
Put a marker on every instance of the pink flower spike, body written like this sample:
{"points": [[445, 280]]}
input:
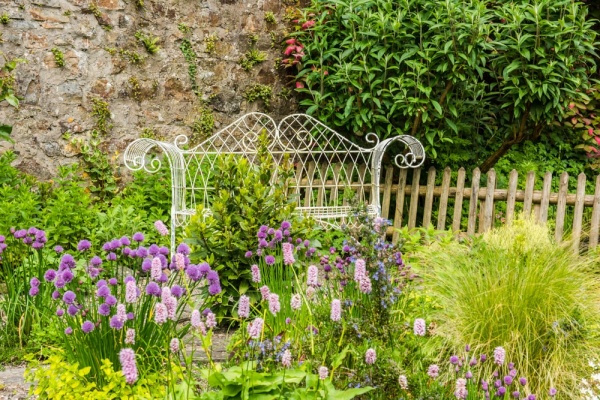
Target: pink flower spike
{"points": [[291, 41], [289, 50], [299, 85]]}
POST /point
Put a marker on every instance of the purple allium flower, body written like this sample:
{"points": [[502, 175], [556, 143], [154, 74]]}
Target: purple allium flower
{"points": [[433, 371], [177, 291], [214, 289], [67, 275], [184, 249], [473, 362], [286, 359], [454, 360], [72, 310], [104, 309], [93, 272], [138, 237], [269, 260], [34, 282], [60, 312], [106, 246], [523, 381], [211, 320], [141, 252], [96, 261], [58, 249], [59, 283], [20, 234], [499, 355], [130, 316], [296, 302], [68, 261], [513, 372], [461, 389], [552, 392], [271, 231], [286, 225], [160, 313], [128, 366], [56, 295], [153, 250], [420, 327], [265, 292], [244, 307], [531, 397], [153, 289], [323, 372], [130, 336], [84, 245], [146, 265], [69, 297], [370, 356], [484, 386], [360, 270], [248, 254], [125, 241], [37, 245], [193, 272], [336, 310], [111, 256], [255, 328], [130, 292], [403, 382], [288, 253], [501, 390], [50, 275], [164, 251], [365, 285], [87, 327], [255, 273], [161, 228], [306, 243], [274, 305], [278, 235], [312, 277], [68, 330], [110, 300], [204, 269], [100, 283], [288, 321], [115, 322], [469, 375], [516, 394], [263, 228], [483, 357], [103, 291]]}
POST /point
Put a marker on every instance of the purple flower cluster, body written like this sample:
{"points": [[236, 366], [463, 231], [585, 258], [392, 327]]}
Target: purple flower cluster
{"points": [[36, 238]]}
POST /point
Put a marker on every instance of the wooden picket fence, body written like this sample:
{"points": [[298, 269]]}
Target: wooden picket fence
{"points": [[409, 203]]}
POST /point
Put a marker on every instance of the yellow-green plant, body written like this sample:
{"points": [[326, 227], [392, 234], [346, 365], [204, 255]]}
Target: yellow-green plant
{"points": [[59, 57], [150, 42], [518, 289]]}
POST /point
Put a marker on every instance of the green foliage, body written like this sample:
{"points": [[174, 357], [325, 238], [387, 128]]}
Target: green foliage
{"points": [[59, 57], [136, 91], [243, 382], [150, 42], [56, 378], [251, 58], [101, 114], [190, 57], [131, 56], [210, 43], [204, 124], [4, 19], [5, 131], [517, 289], [483, 74], [7, 81], [259, 92], [244, 198], [139, 3], [183, 28], [270, 17]]}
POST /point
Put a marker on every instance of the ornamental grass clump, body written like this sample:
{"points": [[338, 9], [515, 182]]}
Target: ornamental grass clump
{"points": [[518, 289], [124, 306]]}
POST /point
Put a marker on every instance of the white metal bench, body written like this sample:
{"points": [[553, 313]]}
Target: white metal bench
{"points": [[325, 164]]}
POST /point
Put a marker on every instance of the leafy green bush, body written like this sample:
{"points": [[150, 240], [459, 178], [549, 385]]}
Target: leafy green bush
{"points": [[517, 289], [244, 199], [464, 76]]}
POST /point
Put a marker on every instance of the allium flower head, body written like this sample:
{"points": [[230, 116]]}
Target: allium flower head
{"points": [[104, 309], [370, 356], [110, 300], [138, 237], [177, 291], [103, 291], [288, 253], [552, 392], [130, 336], [420, 327], [153, 289], [269, 260], [323, 372], [403, 382], [255, 273], [87, 327], [336, 310], [244, 307], [68, 330], [312, 277], [433, 371], [128, 366], [274, 305], [69, 297], [84, 245], [499, 355], [115, 322], [523, 381], [33, 291], [50, 275], [161, 228]]}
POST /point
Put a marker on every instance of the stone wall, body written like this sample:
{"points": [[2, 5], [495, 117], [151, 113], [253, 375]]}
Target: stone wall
{"points": [[155, 95]]}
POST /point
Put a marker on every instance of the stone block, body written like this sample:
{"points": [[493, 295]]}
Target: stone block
{"points": [[111, 4], [47, 3], [39, 15], [33, 41], [103, 88]]}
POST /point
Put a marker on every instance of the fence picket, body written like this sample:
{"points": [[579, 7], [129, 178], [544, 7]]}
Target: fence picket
{"points": [[595, 216], [529, 185], [441, 222], [387, 192], [545, 197], [429, 197], [561, 206], [578, 214], [488, 213], [414, 199], [511, 197], [460, 186], [473, 202], [399, 203]]}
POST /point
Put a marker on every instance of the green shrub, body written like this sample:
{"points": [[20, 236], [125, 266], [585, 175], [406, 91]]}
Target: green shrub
{"points": [[517, 289], [243, 200]]}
